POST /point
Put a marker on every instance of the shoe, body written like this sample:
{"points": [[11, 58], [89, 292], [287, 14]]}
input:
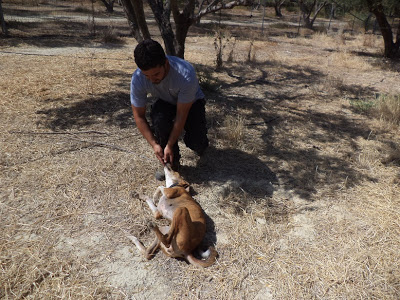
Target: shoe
{"points": [[160, 175]]}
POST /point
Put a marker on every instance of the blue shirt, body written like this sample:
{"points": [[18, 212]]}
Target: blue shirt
{"points": [[180, 85]]}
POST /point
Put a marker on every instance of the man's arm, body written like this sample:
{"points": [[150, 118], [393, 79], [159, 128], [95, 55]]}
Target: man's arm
{"points": [[182, 111], [139, 113]]}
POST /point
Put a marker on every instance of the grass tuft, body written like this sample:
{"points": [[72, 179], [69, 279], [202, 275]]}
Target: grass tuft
{"points": [[234, 130], [388, 108]]}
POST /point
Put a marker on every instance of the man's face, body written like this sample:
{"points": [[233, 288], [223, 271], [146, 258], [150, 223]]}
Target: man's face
{"points": [[157, 74]]}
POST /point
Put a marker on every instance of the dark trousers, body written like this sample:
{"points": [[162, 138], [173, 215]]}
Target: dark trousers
{"points": [[162, 118]]}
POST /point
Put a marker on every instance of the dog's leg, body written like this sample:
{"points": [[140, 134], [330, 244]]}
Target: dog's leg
{"points": [[157, 194], [137, 243], [165, 238], [149, 252], [180, 223], [153, 207], [156, 244]]}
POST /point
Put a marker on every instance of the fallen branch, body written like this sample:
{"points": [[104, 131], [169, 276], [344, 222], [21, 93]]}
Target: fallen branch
{"points": [[58, 132]]}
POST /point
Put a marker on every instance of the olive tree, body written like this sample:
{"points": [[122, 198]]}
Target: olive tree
{"points": [[382, 10], [278, 7], [185, 13], [310, 10], [3, 23]]}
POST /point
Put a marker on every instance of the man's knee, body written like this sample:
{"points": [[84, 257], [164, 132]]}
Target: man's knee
{"points": [[198, 141], [162, 118], [196, 128]]}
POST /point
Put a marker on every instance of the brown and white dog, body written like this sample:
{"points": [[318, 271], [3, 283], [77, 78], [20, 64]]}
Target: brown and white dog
{"points": [[188, 223]]}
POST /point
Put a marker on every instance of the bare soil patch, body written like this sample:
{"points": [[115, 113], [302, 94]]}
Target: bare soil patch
{"points": [[301, 189]]}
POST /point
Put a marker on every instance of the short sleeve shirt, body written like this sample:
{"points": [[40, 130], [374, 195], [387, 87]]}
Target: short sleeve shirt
{"points": [[180, 85]]}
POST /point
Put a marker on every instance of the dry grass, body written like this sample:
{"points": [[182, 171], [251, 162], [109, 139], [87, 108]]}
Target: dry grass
{"points": [[302, 191], [388, 108], [233, 131]]}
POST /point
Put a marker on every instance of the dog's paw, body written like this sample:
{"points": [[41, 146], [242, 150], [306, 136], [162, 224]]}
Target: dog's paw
{"points": [[142, 197], [134, 240], [151, 225]]}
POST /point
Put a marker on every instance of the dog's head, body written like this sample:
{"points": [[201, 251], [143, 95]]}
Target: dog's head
{"points": [[172, 178]]}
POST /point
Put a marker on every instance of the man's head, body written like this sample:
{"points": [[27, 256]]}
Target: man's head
{"points": [[150, 58]]}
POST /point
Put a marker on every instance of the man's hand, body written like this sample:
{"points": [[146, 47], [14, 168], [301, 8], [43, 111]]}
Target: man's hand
{"points": [[158, 151], [168, 154], [139, 114]]}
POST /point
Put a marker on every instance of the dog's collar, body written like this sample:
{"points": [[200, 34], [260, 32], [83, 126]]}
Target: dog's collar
{"points": [[178, 184], [174, 185]]}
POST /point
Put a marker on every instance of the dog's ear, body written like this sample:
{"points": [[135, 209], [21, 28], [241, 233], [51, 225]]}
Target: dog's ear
{"points": [[171, 193], [185, 185]]}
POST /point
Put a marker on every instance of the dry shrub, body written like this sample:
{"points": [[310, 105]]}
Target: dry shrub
{"points": [[219, 47], [388, 108], [251, 53], [232, 44], [233, 130], [347, 60], [323, 39], [369, 40], [110, 36]]}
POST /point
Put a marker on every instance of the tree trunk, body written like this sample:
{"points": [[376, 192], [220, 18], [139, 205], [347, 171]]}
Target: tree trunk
{"points": [[183, 20], [131, 16], [391, 48], [162, 13], [307, 10], [3, 23], [278, 5], [278, 12], [306, 13], [140, 17], [318, 8], [109, 5], [174, 45], [182, 30]]}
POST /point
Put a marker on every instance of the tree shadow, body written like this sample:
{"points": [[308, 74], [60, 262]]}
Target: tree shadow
{"points": [[309, 168], [222, 165], [271, 113], [112, 108], [58, 34]]}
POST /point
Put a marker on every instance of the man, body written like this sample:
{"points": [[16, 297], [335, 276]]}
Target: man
{"points": [[179, 106]]}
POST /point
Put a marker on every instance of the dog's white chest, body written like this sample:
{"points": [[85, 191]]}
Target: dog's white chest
{"points": [[166, 208]]}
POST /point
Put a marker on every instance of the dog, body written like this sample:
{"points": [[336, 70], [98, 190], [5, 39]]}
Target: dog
{"points": [[188, 224]]}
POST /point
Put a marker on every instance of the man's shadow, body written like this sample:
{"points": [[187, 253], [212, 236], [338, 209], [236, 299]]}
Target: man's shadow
{"points": [[220, 166], [230, 170]]}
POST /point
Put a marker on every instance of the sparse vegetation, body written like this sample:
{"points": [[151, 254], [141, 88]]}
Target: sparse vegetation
{"points": [[233, 131], [362, 105], [388, 108], [110, 36], [301, 184]]}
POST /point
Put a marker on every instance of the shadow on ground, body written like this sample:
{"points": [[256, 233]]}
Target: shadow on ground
{"points": [[298, 161], [112, 108], [308, 167], [57, 34]]}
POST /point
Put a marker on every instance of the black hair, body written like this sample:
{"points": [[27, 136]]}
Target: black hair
{"points": [[149, 54]]}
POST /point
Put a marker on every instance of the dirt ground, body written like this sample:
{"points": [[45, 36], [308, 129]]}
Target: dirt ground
{"points": [[300, 184]]}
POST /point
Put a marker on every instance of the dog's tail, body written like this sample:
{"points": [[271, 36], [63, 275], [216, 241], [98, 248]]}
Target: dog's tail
{"points": [[204, 262]]}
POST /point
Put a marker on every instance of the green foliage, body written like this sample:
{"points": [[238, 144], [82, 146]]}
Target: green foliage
{"points": [[207, 82], [385, 107], [362, 105], [361, 5]]}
